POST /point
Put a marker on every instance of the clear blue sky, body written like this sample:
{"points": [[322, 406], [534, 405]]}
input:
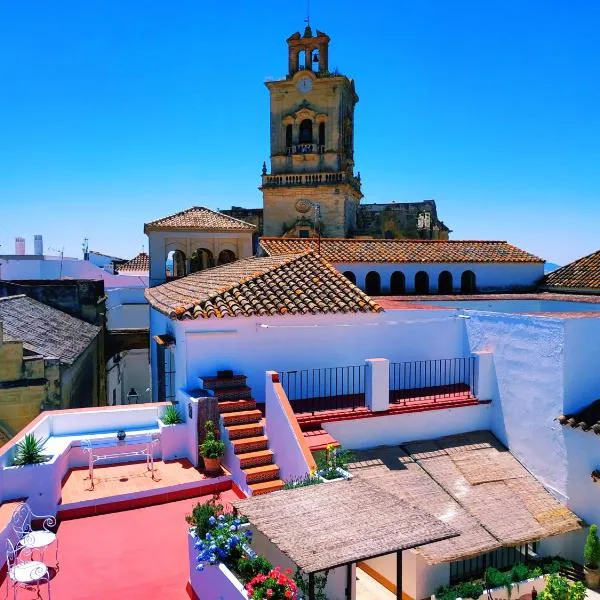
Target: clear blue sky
{"points": [[117, 112]]}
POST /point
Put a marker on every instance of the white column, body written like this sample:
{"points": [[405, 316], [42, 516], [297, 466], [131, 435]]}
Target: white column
{"points": [[484, 375], [377, 385]]}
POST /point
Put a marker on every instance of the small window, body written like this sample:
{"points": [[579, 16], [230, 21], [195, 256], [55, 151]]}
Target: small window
{"points": [[306, 132], [288, 136], [321, 134], [304, 233]]}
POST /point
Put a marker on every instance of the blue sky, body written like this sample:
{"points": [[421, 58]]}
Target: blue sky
{"points": [[114, 113]]}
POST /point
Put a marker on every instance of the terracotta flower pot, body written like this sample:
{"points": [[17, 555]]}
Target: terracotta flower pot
{"points": [[212, 465], [592, 577]]}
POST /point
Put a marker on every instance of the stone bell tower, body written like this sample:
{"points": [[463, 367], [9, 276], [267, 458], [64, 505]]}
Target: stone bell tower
{"points": [[312, 146]]}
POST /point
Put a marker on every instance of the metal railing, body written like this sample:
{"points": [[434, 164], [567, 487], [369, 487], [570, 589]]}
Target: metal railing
{"points": [[433, 379], [332, 388]]}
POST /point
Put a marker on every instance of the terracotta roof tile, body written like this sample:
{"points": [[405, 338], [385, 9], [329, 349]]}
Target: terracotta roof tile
{"points": [[582, 274], [287, 284], [339, 250], [198, 218], [141, 262], [45, 330], [588, 419]]}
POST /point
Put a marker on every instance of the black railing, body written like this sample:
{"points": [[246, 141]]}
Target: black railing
{"points": [[433, 379], [334, 388]]}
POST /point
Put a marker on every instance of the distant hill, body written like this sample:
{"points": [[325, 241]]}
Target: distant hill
{"points": [[549, 267]]}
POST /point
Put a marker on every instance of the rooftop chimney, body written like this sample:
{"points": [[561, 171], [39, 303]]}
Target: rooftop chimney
{"points": [[20, 246], [38, 245]]}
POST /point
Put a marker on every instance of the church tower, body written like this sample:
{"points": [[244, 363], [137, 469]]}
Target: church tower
{"points": [[312, 146]]}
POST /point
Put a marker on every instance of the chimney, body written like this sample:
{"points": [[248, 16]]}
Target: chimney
{"points": [[38, 245], [20, 246]]}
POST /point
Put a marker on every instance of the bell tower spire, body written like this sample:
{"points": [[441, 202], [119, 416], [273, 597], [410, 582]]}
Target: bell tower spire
{"points": [[312, 144]]}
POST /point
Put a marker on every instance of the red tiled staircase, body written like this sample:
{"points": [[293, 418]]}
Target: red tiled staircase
{"points": [[244, 424]]}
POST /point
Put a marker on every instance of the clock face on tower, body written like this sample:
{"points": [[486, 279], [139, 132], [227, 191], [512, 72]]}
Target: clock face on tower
{"points": [[305, 85]]}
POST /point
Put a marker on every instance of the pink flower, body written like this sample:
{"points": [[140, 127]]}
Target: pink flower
{"points": [[269, 592]]}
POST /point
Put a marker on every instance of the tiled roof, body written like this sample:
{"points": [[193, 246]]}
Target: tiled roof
{"points": [[141, 262], [198, 218], [45, 330], [587, 419], [339, 250], [581, 274], [288, 284]]}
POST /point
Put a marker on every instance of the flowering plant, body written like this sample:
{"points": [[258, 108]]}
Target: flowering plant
{"points": [[224, 542], [275, 585], [331, 460]]}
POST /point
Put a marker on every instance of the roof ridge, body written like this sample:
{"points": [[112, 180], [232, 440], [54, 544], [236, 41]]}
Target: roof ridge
{"points": [[358, 240], [155, 222]]}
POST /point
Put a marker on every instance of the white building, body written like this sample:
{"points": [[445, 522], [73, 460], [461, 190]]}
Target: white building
{"points": [[421, 267]]}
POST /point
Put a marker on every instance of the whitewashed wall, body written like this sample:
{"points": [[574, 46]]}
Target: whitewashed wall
{"points": [[127, 308], [489, 277], [252, 345]]}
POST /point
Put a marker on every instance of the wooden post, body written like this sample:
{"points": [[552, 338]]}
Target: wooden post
{"points": [[399, 575], [349, 581], [311, 586]]}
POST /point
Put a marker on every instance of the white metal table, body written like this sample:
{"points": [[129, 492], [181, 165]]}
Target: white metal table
{"points": [[98, 450]]}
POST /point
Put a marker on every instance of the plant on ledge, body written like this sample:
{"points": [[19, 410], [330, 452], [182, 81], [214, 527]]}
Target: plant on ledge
{"points": [[591, 555], [559, 588], [211, 449], [29, 451], [275, 585], [224, 542], [171, 416], [201, 515], [333, 463], [296, 482]]}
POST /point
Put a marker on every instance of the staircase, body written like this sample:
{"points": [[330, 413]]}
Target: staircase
{"points": [[245, 433]]}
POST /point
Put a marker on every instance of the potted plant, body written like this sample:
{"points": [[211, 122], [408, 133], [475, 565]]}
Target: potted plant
{"points": [[333, 463], [591, 555], [29, 451], [274, 585], [211, 449], [171, 416]]}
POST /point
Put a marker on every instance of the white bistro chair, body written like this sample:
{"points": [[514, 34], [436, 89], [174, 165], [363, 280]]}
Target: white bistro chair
{"points": [[30, 540], [25, 573]]}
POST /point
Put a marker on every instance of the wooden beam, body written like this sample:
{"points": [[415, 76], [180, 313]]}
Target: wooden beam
{"points": [[399, 575]]}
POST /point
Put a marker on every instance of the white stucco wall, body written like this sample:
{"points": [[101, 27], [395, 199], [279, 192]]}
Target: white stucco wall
{"points": [[391, 430], [529, 363], [127, 308], [253, 345], [489, 277]]}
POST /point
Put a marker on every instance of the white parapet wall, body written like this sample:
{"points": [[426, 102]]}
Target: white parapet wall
{"points": [[391, 430]]}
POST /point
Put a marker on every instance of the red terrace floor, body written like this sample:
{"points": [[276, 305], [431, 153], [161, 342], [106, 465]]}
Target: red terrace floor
{"points": [[138, 554]]}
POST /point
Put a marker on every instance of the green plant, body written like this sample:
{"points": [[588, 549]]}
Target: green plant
{"points": [[591, 551], [248, 568], [332, 459], [320, 584], [520, 572], [29, 451], [558, 588], [171, 416], [202, 513], [296, 482], [469, 589], [211, 447]]}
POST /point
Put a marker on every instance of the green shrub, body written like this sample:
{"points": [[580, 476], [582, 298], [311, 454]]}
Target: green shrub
{"points": [[29, 451], [591, 551], [558, 588], [211, 447], [201, 514], [469, 589], [248, 568], [520, 572], [171, 416], [495, 578]]}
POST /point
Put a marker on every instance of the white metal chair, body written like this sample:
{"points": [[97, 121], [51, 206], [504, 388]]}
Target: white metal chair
{"points": [[24, 574], [29, 539]]}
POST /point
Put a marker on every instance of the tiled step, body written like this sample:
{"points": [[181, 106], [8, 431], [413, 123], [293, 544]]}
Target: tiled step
{"points": [[214, 383], [249, 444], [227, 406], [240, 392], [261, 474], [244, 431], [265, 487], [256, 458], [241, 417]]}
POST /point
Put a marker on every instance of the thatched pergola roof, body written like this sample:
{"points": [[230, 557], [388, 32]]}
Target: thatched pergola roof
{"points": [[325, 526], [472, 483]]}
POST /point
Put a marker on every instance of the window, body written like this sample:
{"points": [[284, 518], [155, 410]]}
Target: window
{"points": [[288, 136], [421, 283], [165, 362], [397, 283], [321, 134], [304, 233], [306, 132], [201, 259], [373, 283], [468, 283], [350, 276], [226, 257], [445, 283]]}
